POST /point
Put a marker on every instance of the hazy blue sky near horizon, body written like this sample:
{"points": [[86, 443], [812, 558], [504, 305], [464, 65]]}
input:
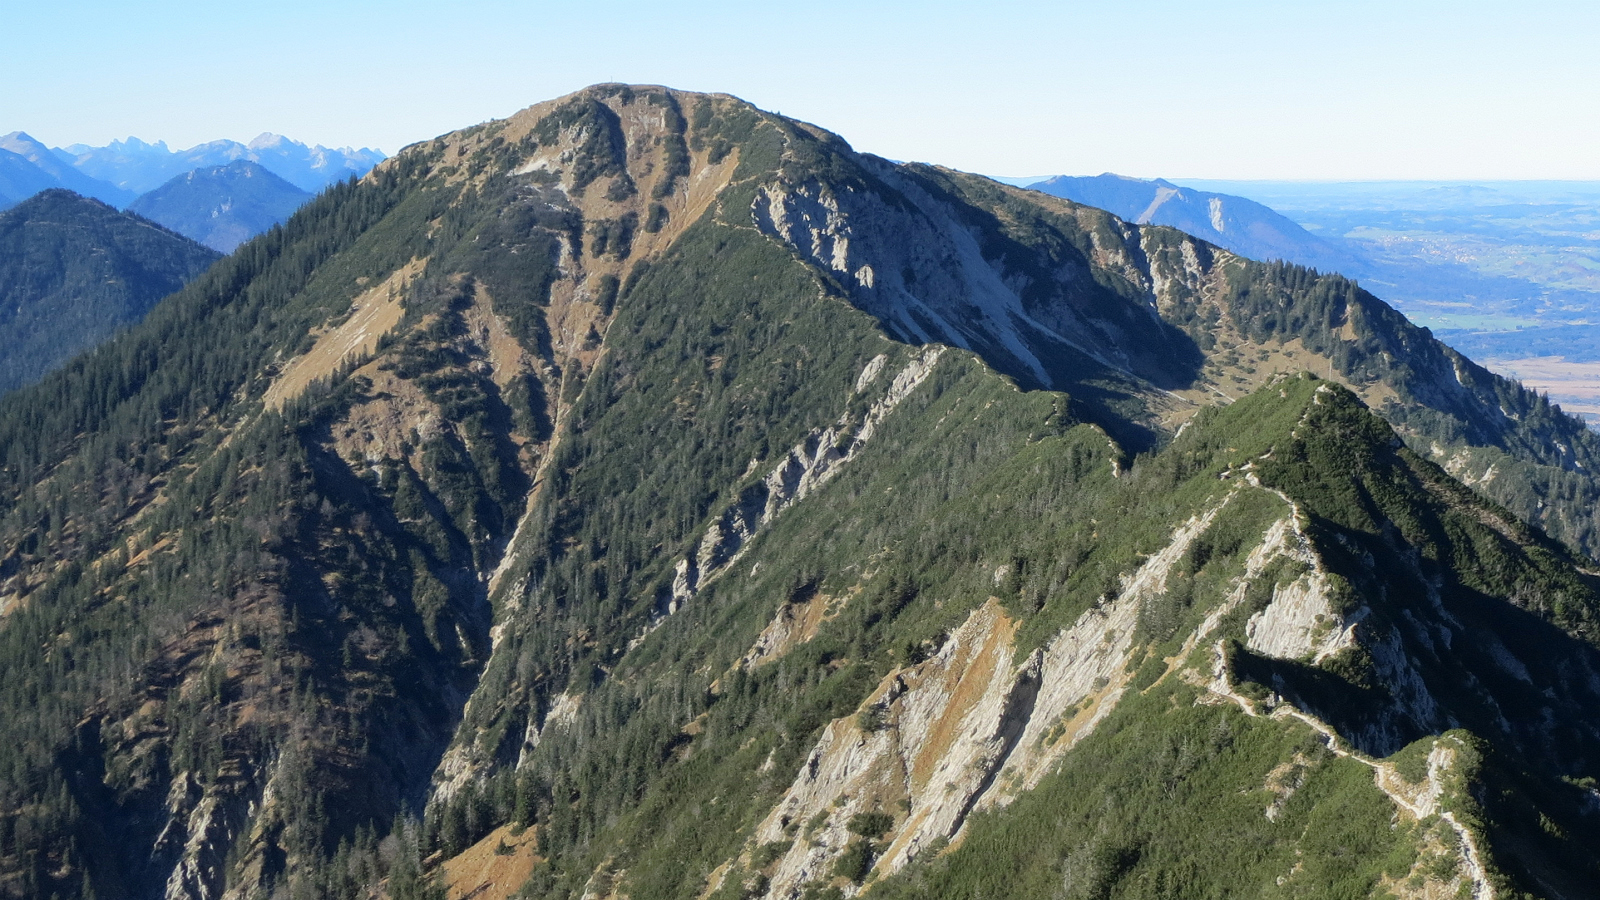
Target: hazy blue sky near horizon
{"points": [[1416, 89]]}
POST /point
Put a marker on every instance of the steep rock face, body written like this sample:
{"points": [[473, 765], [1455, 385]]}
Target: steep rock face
{"points": [[1300, 622], [809, 465], [955, 296], [907, 257], [928, 739], [1086, 667]]}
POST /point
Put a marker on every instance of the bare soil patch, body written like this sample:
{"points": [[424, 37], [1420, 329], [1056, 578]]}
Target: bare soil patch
{"points": [[493, 868]]}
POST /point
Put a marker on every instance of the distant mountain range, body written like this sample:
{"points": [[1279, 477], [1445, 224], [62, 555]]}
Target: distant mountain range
{"points": [[1480, 258], [1235, 223], [73, 271], [56, 172], [139, 167], [121, 172], [222, 206]]}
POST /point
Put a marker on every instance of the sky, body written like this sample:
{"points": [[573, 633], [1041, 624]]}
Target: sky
{"points": [[1404, 89]]}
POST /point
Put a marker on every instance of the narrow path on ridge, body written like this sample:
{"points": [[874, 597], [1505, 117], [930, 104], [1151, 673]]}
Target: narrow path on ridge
{"points": [[1420, 806]]}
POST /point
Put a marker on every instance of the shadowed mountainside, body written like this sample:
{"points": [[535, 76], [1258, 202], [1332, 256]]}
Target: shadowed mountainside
{"points": [[72, 272]]}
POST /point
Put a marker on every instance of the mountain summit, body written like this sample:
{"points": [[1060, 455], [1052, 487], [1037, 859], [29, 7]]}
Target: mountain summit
{"points": [[222, 206], [650, 496]]}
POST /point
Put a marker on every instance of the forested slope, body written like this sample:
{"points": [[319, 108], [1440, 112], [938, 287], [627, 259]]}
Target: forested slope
{"points": [[749, 517], [72, 272]]}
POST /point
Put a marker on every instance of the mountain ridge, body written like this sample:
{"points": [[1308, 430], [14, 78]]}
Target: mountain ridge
{"points": [[745, 516], [141, 167], [20, 178], [1240, 224], [63, 175], [123, 171]]}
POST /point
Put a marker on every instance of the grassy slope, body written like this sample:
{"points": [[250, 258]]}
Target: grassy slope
{"points": [[1522, 451], [1164, 768]]}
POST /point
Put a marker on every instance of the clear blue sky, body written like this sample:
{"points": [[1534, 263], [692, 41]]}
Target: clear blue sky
{"points": [[1324, 90]]}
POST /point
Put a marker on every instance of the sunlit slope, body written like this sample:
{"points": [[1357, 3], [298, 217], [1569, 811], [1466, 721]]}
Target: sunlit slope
{"points": [[748, 515]]}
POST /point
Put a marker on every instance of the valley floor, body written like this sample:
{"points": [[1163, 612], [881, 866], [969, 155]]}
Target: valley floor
{"points": [[1574, 385]]}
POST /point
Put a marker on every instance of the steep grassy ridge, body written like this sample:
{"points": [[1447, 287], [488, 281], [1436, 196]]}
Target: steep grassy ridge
{"points": [[1074, 275]]}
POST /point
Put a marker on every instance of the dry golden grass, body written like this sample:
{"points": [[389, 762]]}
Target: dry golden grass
{"points": [[373, 314], [493, 868]]}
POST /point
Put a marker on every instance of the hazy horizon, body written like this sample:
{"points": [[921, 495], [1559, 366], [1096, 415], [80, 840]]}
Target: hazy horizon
{"points": [[1354, 91]]}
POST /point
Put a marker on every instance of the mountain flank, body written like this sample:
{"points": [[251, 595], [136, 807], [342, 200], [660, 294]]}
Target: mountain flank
{"points": [[660, 497], [221, 206], [20, 179], [1237, 223], [74, 271]]}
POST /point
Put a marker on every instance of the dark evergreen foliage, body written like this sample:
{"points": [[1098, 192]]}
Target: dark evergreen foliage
{"points": [[207, 593], [73, 271]]}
